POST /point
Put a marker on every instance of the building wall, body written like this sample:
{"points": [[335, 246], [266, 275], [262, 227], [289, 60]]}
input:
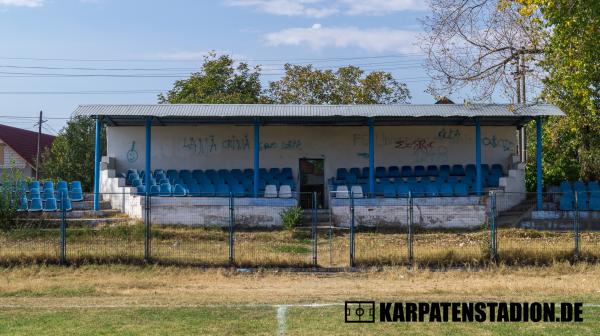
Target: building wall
{"points": [[10, 159], [228, 146]]}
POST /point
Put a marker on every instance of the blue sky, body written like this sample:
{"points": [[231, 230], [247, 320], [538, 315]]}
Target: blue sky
{"points": [[47, 45]]}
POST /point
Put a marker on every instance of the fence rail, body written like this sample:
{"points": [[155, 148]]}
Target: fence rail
{"points": [[354, 232]]}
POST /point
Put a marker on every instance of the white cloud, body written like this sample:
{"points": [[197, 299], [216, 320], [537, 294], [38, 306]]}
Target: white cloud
{"points": [[373, 40], [378, 7], [321, 8], [309, 8], [22, 3]]}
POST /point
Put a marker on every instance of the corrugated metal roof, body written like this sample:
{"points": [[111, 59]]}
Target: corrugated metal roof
{"points": [[317, 111]]}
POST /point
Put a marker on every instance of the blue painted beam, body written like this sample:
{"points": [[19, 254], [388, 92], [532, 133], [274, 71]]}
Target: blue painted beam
{"points": [[148, 166], [478, 182], [256, 157], [97, 148], [538, 159], [371, 158]]}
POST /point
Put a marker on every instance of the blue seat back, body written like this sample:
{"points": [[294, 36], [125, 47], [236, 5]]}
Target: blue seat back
{"points": [[341, 173], [420, 171], [406, 171], [446, 189], [403, 189], [457, 170], [566, 202], [380, 172], [432, 190], [36, 204], [165, 189], [389, 191], [50, 204], [394, 172], [461, 189], [179, 190], [432, 170]]}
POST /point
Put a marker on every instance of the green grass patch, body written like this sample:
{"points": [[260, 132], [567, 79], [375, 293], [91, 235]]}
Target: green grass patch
{"points": [[296, 249]]}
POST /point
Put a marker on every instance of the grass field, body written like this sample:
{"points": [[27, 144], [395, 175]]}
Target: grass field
{"points": [[210, 246], [157, 300]]}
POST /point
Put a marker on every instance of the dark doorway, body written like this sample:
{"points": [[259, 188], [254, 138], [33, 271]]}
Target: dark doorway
{"points": [[312, 179]]}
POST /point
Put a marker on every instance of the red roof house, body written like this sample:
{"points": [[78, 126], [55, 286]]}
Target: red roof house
{"points": [[18, 148]]}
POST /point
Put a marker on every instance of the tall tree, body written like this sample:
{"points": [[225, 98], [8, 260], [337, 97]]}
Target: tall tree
{"points": [[572, 62], [220, 81], [479, 44], [71, 156], [303, 84]]}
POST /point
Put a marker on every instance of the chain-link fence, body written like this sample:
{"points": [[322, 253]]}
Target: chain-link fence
{"points": [[348, 229]]}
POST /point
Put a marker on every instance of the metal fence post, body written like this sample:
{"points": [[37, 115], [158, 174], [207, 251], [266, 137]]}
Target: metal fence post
{"points": [[314, 228], [63, 228], [351, 229], [147, 234], [231, 231], [576, 227], [493, 231], [410, 229]]}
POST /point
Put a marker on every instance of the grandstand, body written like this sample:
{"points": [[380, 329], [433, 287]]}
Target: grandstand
{"points": [[279, 153]]}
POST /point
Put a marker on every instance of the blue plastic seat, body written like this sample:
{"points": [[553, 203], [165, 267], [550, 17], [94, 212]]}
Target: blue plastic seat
{"points": [[165, 189], [579, 186], [274, 171], [457, 170], [595, 201], [566, 202], [34, 185], [389, 191], [497, 169], [238, 190], [197, 172], [288, 173], [406, 171], [179, 191], [34, 193], [470, 170], [36, 205], [379, 187], [65, 203], [341, 173], [62, 185], [154, 190], [493, 180], [380, 172], [446, 189], [222, 190], [223, 172], [411, 180], [565, 187], [76, 194], [364, 172], [22, 186], [207, 190], [403, 189], [593, 186], [420, 171], [141, 190], [48, 185], [50, 205], [452, 179], [394, 171], [23, 206], [48, 194], [418, 190], [249, 172], [582, 200], [432, 190], [432, 170], [171, 173], [136, 183], [461, 190], [351, 179]]}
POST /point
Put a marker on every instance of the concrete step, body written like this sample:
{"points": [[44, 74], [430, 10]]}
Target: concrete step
{"points": [[89, 205], [55, 222], [74, 214]]}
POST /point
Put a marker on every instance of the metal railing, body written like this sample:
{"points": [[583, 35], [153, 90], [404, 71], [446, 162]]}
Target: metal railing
{"points": [[242, 231]]}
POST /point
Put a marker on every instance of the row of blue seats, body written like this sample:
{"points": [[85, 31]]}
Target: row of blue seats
{"points": [[223, 173], [585, 201], [36, 204], [566, 186], [420, 171], [492, 181], [231, 181], [45, 190], [402, 190]]}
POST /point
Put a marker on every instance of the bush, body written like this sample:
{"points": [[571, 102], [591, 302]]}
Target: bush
{"points": [[291, 217], [9, 198]]}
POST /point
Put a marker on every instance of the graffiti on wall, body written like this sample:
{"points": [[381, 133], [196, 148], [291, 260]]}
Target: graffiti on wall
{"points": [[495, 142], [235, 143], [132, 154]]}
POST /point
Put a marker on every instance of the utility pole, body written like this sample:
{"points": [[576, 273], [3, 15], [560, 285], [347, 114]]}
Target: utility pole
{"points": [[37, 157]]}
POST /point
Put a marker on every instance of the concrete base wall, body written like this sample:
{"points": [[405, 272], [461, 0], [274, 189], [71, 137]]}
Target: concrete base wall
{"points": [[434, 212]]}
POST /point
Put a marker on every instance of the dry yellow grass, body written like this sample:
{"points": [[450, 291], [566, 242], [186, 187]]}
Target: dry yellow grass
{"points": [[53, 286], [202, 246]]}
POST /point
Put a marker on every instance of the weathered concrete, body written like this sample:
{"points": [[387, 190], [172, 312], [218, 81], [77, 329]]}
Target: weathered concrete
{"points": [[433, 212]]}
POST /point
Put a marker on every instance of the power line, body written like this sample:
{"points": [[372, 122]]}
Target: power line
{"points": [[80, 92]]}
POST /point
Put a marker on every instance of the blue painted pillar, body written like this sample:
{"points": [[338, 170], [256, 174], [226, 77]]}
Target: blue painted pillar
{"points": [[256, 157], [538, 159], [97, 148], [148, 167], [371, 158], [478, 184]]}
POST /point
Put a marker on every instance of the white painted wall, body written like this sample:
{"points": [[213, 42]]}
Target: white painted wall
{"points": [[228, 146], [9, 159]]}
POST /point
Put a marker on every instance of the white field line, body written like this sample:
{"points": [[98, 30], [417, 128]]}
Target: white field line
{"points": [[281, 319]]}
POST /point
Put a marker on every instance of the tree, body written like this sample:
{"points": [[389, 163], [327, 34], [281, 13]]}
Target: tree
{"points": [[218, 82], [479, 44], [303, 84], [71, 156]]}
